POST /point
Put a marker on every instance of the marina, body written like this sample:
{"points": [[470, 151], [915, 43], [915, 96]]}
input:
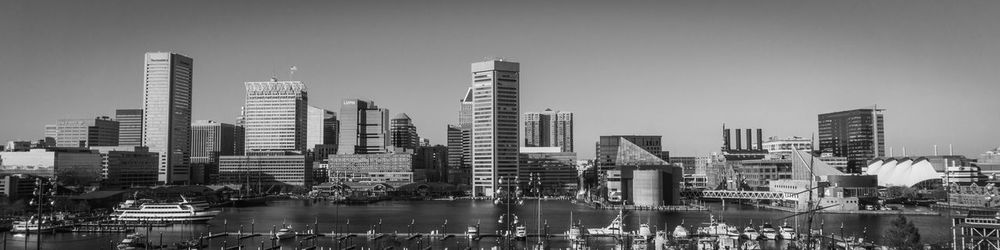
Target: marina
{"points": [[465, 223]]}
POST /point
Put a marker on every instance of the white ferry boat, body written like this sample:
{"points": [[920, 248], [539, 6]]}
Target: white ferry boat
{"points": [[185, 210], [34, 224]]}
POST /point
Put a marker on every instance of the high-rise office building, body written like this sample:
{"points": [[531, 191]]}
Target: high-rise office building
{"points": [[323, 126], [364, 128], [100, 131], [457, 169], [404, 133], [210, 139], [549, 129], [275, 116], [495, 125], [129, 127], [465, 113], [51, 131], [856, 134], [166, 113]]}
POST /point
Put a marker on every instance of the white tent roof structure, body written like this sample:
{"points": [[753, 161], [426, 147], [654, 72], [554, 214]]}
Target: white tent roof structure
{"points": [[902, 171]]}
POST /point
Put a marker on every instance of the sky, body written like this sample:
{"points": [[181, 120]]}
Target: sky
{"points": [[679, 69]]}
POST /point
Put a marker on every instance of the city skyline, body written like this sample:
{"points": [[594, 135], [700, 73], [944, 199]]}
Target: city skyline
{"points": [[880, 59]]}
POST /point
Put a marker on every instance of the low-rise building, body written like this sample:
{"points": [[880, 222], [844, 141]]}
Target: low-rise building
{"points": [[555, 170], [396, 169], [128, 166], [70, 166], [275, 168]]}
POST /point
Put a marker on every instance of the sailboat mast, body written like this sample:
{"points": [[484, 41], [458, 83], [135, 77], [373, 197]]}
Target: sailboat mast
{"points": [[809, 206]]}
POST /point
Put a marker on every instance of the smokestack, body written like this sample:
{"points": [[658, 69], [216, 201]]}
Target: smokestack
{"points": [[749, 139], [725, 139], [739, 140], [760, 139], [949, 150], [935, 150], [890, 152]]}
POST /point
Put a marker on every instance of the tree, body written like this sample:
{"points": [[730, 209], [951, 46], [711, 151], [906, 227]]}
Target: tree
{"points": [[902, 234]]}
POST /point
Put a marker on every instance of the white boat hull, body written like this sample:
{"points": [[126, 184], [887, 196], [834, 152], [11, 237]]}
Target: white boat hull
{"points": [[199, 216]]}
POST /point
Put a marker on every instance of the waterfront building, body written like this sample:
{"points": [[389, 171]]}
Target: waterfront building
{"points": [[127, 166], [495, 125], [756, 175], [205, 173], [555, 170], [615, 150], [781, 147], [695, 181], [404, 133], [395, 169], [924, 171], [548, 129], [433, 161], [210, 139], [166, 113], [129, 127], [271, 168], [275, 116], [17, 186], [71, 166], [100, 131], [691, 164], [364, 128], [856, 134], [838, 162], [322, 128], [645, 185]]}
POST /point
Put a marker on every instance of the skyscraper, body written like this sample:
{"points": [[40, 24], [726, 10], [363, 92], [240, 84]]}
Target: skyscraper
{"points": [[404, 133], [364, 128], [129, 127], [166, 112], [322, 127], [548, 129], [856, 134], [465, 113], [100, 131], [495, 130], [275, 116], [210, 139]]}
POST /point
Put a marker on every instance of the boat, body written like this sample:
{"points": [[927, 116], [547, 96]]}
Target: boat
{"points": [[787, 232], [612, 229], [732, 232], [147, 210], [768, 232], [751, 233], [639, 242], [248, 200], [284, 233], [35, 224], [576, 233], [714, 228], [133, 241], [472, 230], [680, 232], [520, 232], [728, 243], [751, 245], [644, 231]]}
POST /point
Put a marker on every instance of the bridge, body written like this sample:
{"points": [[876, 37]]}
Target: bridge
{"points": [[736, 195]]}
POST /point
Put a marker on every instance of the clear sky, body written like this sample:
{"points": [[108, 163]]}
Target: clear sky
{"points": [[674, 68]]}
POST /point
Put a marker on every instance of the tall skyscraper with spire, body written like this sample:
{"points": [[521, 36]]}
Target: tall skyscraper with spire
{"points": [[495, 125], [166, 113]]}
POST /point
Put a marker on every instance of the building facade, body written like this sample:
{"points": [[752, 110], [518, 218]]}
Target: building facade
{"points": [[127, 166], [395, 169], [495, 125], [615, 150], [166, 112], [100, 131], [364, 128], [70, 166], [129, 127], [548, 129], [275, 116], [554, 169], [210, 139], [323, 128], [267, 169], [782, 147], [856, 134], [404, 133]]}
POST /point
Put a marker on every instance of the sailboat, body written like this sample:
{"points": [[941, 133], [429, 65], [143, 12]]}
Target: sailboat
{"points": [[612, 229]]}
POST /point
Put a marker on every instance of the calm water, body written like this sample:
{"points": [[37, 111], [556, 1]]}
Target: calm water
{"points": [[455, 216]]}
